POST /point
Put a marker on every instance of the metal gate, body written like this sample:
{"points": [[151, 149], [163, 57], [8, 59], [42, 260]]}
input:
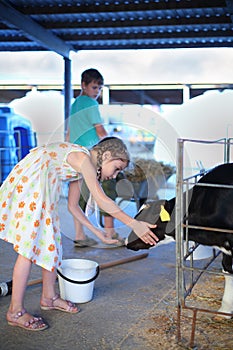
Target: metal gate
{"points": [[187, 273]]}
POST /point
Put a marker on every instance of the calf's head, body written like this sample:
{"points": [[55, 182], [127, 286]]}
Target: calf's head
{"points": [[159, 213]]}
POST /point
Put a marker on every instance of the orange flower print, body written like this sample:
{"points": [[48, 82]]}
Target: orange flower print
{"points": [[32, 206], [19, 215], [48, 221], [63, 145], [25, 179], [55, 259], [19, 188], [51, 247], [11, 179], [16, 248], [33, 235], [2, 227], [9, 195], [21, 204], [18, 238], [44, 205], [37, 223], [4, 217], [17, 225], [19, 171], [53, 155], [4, 204], [36, 195], [36, 250]]}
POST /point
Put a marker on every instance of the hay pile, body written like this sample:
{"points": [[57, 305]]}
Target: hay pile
{"points": [[144, 169]]}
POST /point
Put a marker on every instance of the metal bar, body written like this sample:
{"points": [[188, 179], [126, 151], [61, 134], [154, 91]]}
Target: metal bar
{"points": [[193, 328], [208, 311], [208, 228], [178, 227], [182, 291], [67, 91]]}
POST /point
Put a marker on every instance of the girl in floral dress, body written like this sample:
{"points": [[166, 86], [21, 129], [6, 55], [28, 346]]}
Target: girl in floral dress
{"points": [[29, 215]]}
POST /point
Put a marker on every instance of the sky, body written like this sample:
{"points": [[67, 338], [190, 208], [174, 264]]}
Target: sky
{"points": [[211, 65]]}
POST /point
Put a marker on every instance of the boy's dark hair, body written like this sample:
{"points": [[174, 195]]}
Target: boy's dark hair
{"points": [[90, 75]]}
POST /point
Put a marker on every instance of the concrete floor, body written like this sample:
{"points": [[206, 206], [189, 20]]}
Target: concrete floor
{"points": [[125, 297]]}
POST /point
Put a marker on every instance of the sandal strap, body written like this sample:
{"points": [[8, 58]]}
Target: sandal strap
{"points": [[19, 314], [57, 296]]}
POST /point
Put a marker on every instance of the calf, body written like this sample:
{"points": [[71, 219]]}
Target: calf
{"points": [[210, 207]]}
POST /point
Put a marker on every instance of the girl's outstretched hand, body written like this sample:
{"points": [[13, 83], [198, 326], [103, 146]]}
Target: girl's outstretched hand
{"points": [[110, 241], [142, 230], [106, 240]]}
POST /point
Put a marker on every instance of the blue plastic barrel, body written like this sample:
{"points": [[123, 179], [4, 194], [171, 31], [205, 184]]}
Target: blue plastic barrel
{"points": [[16, 139]]}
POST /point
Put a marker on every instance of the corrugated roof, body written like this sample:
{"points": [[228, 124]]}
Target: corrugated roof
{"points": [[61, 26]]}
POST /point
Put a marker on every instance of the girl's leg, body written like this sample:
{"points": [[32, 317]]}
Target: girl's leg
{"points": [[21, 273], [50, 300], [17, 315], [48, 287], [79, 233], [109, 227]]}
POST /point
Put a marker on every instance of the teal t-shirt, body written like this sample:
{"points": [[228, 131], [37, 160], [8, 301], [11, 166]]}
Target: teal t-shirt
{"points": [[83, 117]]}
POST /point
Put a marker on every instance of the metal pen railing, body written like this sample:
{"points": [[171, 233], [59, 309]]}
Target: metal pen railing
{"points": [[188, 276]]}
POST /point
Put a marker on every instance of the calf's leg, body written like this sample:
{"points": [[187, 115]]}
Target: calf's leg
{"points": [[227, 299]]}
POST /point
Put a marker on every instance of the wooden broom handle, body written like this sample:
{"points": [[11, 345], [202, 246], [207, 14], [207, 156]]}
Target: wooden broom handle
{"points": [[104, 265]]}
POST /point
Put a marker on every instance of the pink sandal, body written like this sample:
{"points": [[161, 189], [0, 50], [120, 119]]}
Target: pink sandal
{"points": [[70, 307], [34, 324]]}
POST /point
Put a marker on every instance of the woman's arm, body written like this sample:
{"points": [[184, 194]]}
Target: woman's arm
{"points": [[78, 214], [100, 130], [82, 163]]}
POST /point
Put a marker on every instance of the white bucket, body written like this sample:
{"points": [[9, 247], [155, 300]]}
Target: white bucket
{"points": [[76, 279]]}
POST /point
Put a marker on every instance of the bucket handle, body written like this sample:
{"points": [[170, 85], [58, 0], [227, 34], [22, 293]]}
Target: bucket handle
{"points": [[79, 282]]}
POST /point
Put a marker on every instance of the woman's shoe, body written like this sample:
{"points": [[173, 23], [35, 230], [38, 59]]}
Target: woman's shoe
{"points": [[33, 324], [83, 243], [56, 303]]}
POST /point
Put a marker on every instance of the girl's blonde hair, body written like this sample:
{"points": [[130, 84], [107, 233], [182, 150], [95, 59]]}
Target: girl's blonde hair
{"points": [[115, 146]]}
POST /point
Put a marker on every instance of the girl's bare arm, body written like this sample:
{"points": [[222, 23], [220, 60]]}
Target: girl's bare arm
{"points": [[78, 214]]}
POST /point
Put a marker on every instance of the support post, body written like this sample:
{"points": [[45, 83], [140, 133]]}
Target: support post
{"points": [[68, 92]]}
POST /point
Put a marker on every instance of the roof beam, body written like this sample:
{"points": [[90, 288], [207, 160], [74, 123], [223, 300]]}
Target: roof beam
{"points": [[117, 6], [34, 30]]}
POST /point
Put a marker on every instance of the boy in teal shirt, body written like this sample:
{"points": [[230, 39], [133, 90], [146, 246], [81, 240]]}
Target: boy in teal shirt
{"points": [[86, 129]]}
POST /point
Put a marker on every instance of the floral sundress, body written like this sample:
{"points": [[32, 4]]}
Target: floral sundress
{"points": [[29, 203]]}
